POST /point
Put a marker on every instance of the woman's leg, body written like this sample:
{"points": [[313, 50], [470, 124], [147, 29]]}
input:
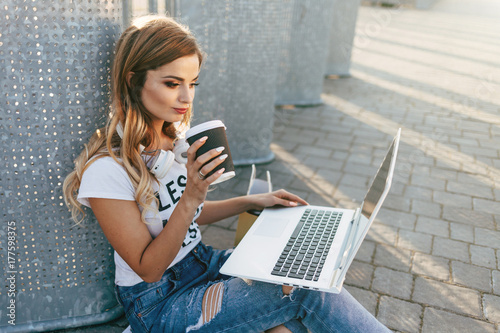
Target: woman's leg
{"points": [[189, 299], [346, 309], [279, 329], [245, 306], [294, 326], [219, 258]]}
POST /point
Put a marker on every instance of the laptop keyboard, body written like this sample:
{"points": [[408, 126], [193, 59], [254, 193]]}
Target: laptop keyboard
{"points": [[305, 253]]}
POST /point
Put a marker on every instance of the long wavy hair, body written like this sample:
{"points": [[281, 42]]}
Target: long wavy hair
{"points": [[150, 42]]}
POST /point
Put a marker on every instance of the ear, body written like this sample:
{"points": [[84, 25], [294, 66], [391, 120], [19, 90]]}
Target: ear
{"points": [[129, 77]]}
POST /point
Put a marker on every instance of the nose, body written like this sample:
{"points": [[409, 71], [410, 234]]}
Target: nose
{"points": [[186, 94]]}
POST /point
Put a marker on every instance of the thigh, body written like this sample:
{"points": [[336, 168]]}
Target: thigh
{"points": [[237, 305], [234, 305], [144, 303], [249, 306]]}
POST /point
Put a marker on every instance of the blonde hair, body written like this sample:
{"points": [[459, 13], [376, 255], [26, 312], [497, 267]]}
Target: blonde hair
{"points": [[150, 42]]}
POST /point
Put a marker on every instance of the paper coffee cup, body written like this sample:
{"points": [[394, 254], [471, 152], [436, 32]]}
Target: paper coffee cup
{"points": [[216, 133]]}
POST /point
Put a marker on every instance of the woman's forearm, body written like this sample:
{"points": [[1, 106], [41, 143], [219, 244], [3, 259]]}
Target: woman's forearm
{"points": [[164, 248], [214, 211]]}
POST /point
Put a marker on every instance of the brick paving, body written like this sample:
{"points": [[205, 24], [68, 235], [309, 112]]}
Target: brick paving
{"points": [[431, 261]]}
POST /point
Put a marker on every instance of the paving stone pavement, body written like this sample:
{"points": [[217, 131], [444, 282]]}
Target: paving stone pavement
{"points": [[431, 261]]}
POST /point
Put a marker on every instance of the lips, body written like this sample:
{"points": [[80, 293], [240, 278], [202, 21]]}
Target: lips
{"points": [[181, 111]]}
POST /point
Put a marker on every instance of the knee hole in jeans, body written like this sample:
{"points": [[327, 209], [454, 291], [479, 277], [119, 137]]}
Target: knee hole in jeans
{"points": [[212, 301], [287, 290]]}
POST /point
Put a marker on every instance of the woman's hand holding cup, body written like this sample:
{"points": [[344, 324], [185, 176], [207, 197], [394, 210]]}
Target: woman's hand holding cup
{"points": [[215, 131], [197, 170]]}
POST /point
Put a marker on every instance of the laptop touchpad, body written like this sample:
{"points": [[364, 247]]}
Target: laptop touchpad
{"points": [[271, 227]]}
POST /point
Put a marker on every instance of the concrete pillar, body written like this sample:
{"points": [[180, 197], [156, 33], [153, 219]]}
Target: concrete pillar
{"points": [[305, 49], [238, 80], [343, 28]]}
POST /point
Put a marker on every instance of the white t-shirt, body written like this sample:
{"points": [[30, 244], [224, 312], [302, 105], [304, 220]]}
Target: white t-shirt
{"points": [[105, 178]]}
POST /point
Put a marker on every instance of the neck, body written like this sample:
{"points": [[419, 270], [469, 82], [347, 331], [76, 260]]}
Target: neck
{"points": [[164, 141], [157, 126]]}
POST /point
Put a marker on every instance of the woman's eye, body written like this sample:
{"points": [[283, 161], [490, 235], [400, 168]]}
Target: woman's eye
{"points": [[171, 84], [194, 84]]}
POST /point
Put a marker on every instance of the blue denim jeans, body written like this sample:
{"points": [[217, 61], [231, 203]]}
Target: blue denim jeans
{"points": [[174, 304]]}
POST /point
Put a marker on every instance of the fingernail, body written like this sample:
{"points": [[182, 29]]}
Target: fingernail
{"points": [[204, 138], [220, 149], [221, 170], [223, 157], [293, 203]]}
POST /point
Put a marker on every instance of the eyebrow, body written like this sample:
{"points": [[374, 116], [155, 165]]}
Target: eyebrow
{"points": [[177, 78]]}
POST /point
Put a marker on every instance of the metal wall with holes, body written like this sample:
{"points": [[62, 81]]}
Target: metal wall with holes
{"points": [[55, 56]]}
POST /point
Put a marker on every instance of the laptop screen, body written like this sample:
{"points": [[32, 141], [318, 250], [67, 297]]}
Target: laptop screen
{"points": [[379, 183]]}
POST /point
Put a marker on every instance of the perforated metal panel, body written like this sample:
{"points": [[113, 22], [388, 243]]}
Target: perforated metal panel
{"points": [[343, 26], [242, 40], [303, 59], [54, 63]]}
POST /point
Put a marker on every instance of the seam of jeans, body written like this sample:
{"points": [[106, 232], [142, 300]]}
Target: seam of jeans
{"points": [[130, 312], [117, 295], [312, 313], [269, 314], [130, 308], [151, 307], [139, 319], [147, 310]]}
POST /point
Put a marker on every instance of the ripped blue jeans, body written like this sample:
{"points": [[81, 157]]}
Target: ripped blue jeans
{"points": [[177, 303]]}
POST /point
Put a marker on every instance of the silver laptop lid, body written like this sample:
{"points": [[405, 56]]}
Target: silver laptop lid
{"points": [[374, 199], [382, 181]]}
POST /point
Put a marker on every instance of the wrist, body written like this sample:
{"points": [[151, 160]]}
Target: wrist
{"points": [[190, 204], [252, 202]]}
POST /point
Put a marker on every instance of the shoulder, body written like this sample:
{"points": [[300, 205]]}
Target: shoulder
{"points": [[104, 162], [105, 178], [105, 167]]}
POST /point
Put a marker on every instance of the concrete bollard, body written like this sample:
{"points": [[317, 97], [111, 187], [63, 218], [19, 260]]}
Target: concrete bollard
{"points": [[238, 79], [343, 28], [305, 49]]}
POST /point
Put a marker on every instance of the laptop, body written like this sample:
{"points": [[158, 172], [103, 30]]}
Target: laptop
{"points": [[310, 246]]}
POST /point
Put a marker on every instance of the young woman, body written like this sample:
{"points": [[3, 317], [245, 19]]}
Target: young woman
{"points": [[166, 279]]}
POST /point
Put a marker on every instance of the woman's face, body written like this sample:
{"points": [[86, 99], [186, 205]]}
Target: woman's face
{"points": [[169, 90]]}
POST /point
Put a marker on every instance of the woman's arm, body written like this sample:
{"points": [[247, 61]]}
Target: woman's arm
{"points": [[214, 211], [121, 221]]}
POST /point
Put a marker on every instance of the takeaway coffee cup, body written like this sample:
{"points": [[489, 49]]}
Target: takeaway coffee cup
{"points": [[216, 133]]}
